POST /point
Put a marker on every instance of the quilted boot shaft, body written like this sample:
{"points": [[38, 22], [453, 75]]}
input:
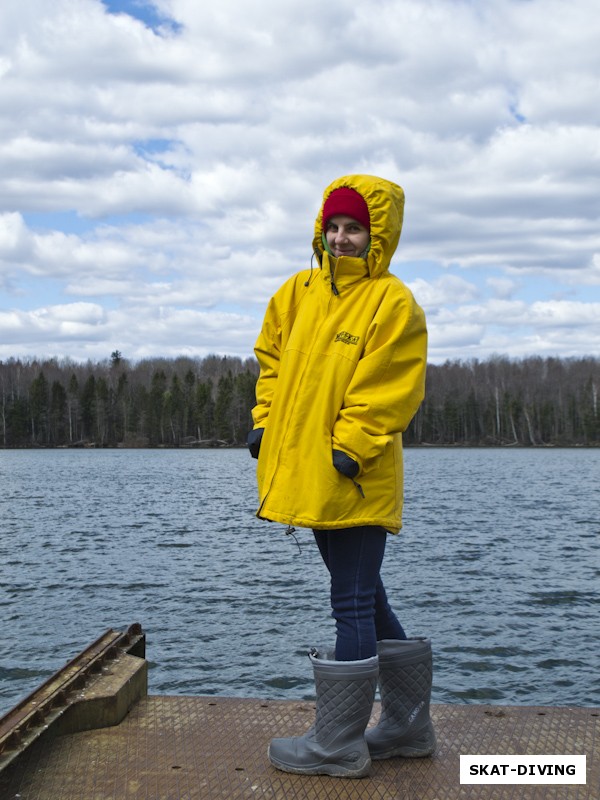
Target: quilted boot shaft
{"points": [[335, 745], [405, 728]]}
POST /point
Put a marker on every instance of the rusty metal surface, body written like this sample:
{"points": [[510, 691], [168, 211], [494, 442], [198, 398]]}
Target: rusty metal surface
{"points": [[203, 748], [33, 715]]}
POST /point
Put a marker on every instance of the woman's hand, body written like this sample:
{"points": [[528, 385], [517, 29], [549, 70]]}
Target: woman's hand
{"points": [[254, 440], [344, 464]]}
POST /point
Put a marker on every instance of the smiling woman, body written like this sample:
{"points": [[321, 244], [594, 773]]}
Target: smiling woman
{"points": [[342, 355], [346, 237], [346, 224]]}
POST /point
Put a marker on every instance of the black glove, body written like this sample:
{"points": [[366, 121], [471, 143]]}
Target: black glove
{"points": [[344, 464], [254, 440]]}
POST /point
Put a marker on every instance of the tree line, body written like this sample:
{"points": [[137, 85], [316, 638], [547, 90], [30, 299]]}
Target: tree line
{"points": [[204, 402]]}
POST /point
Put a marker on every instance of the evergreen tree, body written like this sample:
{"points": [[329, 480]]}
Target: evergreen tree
{"points": [[39, 397], [104, 416], [173, 409], [73, 408], [18, 423], [58, 413], [88, 408], [156, 398], [189, 385], [224, 427], [205, 410]]}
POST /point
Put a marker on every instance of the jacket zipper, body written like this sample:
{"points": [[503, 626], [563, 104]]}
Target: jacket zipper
{"points": [[334, 288]]}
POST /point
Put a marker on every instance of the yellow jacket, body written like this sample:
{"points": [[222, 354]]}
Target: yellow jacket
{"points": [[342, 356]]}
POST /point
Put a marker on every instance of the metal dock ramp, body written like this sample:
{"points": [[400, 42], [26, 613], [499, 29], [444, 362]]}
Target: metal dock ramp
{"points": [[204, 748]]}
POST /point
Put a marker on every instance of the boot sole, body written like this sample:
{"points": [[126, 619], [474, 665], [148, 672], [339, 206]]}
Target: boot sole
{"points": [[402, 752], [333, 770]]}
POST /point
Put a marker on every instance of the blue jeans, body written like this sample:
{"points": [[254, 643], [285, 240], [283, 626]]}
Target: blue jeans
{"points": [[360, 606]]}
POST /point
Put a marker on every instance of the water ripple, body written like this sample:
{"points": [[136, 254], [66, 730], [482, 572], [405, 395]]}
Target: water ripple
{"points": [[497, 564]]}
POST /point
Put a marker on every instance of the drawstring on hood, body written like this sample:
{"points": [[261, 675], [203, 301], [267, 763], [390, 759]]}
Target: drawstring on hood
{"points": [[308, 280]]}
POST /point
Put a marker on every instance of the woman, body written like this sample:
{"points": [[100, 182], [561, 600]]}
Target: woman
{"points": [[342, 356]]}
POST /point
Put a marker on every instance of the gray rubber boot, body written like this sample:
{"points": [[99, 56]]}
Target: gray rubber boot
{"points": [[335, 745], [405, 728]]}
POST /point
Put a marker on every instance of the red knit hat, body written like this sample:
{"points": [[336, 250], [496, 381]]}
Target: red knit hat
{"points": [[349, 202]]}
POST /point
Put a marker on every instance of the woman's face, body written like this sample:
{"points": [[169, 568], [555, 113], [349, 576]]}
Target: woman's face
{"points": [[346, 237]]}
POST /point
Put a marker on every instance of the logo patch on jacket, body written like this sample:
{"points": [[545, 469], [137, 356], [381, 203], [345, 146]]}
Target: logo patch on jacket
{"points": [[346, 338]]}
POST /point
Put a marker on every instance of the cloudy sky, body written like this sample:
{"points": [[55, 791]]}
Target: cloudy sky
{"points": [[162, 162]]}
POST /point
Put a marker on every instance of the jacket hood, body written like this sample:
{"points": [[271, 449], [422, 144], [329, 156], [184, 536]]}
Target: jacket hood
{"points": [[385, 201]]}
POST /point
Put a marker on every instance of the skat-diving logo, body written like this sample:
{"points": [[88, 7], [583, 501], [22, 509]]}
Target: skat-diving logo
{"points": [[346, 338]]}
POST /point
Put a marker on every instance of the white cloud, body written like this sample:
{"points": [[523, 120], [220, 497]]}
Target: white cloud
{"points": [[563, 313], [75, 321], [449, 289], [86, 330], [14, 237], [189, 162], [503, 288], [563, 328]]}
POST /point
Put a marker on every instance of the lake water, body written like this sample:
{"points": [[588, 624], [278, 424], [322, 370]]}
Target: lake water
{"points": [[498, 563]]}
